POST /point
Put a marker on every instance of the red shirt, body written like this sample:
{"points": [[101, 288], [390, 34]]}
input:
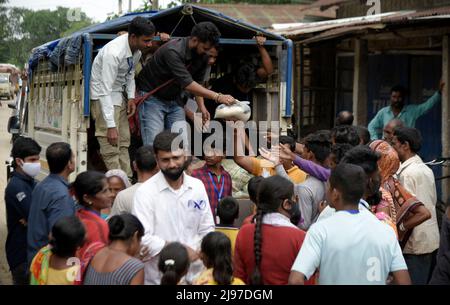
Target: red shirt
{"points": [[214, 186], [280, 247]]}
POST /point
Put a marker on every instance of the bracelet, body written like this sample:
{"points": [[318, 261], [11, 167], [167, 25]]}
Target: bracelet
{"points": [[402, 227], [217, 97]]}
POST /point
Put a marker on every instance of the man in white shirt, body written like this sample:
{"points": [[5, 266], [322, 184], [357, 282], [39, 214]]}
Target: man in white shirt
{"points": [[351, 247], [113, 91], [418, 179], [146, 167], [172, 206]]}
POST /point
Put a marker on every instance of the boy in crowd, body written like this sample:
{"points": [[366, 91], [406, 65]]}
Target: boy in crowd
{"points": [[216, 179], [352, 247], [228, 212]]}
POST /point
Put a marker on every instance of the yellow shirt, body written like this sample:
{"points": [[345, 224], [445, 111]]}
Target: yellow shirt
{"points": [[62, 277], [206, 278], [261, 165], [231, 233]]}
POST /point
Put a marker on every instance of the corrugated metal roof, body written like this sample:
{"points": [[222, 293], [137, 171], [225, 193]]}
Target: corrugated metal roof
{"points": [[332, 28], [266, 15]]}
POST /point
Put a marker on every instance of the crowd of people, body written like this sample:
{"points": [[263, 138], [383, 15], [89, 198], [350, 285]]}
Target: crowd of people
{"points": [[339, 206]]}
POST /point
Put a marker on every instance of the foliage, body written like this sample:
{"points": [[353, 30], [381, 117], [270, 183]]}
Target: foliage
{"points": [[25, 29]]}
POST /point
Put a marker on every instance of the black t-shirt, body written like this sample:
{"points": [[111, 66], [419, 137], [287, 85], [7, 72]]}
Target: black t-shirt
{"points": [[174, 60]]}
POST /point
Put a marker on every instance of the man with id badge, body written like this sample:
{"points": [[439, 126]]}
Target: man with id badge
{"points": [[113, 91], [216, 179]]}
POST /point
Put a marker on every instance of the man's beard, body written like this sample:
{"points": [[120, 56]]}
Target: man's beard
{"points": [[173, 174], [398, 104]]}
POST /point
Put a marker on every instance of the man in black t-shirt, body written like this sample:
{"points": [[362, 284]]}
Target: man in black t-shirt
{"points": [[183, 61]]}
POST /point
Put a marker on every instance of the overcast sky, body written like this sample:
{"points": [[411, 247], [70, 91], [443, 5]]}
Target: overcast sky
{"points": [[96, 9]]}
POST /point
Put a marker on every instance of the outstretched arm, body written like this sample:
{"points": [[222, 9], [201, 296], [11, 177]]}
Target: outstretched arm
{"points": [[267, 67]]}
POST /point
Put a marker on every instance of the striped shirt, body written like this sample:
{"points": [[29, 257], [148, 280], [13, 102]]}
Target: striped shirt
{"points": [[121, 276]]}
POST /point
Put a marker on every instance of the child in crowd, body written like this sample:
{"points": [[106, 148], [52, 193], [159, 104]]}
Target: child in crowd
{"points": [[173, 263], [265, 250], [116, 264], [216, 179], [253, 186], [228, 212], [50, 265], [216, 256]]}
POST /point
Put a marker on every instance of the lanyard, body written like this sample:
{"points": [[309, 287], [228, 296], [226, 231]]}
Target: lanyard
{"points": [[130, 64], [219, 194]]}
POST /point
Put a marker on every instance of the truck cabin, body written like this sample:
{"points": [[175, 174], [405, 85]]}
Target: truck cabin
{"points": [[59, 87]]}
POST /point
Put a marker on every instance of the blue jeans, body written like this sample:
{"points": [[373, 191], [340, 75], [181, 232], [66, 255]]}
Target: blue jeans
{"points": [[156, 115]]}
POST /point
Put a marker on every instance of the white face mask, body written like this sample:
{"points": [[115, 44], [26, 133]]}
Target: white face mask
{"points": [[32, 169]]}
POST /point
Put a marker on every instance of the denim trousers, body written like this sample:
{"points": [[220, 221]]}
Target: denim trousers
{"points": [[156, 115]]}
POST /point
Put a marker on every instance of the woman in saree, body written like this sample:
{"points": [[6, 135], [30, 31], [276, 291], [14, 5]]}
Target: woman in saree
{"points": [[93, 194], [405, 210]]}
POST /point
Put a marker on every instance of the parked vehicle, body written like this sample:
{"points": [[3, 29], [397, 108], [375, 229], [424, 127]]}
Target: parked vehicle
{"points": [[57, 102]]}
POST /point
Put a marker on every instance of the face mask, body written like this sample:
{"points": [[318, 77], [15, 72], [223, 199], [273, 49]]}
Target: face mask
{"points": [[31, 169]]}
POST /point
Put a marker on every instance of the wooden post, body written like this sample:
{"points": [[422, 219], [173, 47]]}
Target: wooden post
{"points": [[446, 115], [360, 79]]}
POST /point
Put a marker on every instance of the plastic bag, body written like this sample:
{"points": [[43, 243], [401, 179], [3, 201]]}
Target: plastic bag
{"points": [[240, 111]]}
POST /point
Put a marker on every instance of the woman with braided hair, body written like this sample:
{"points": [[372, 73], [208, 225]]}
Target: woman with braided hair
{"points": [[265, 250]]}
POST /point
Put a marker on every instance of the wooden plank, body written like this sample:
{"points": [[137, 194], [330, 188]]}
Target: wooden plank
{"points": [[360, 80], [446, 115]]}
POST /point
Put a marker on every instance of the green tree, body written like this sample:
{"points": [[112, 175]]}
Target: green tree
{"points": [[27, 29]]}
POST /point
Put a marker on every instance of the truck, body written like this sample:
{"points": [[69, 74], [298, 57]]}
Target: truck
{"points": [[9, 80], [6, 89], [57, 103]]}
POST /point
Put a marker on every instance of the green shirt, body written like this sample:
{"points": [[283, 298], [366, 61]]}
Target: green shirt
{"points": [[409, 115]]}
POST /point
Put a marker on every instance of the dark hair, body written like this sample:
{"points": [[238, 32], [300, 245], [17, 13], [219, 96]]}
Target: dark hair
{"points": [[145, 159], [319, 145], [58, 155], [410, 135], [123, 227], [364, 157], [253, 186], [228, 210], [163, 141], [345, 134], [288, 140], [344, 118], [363, 133], [349, 179], [399, 88], [172, 273], [339, 150], [216, 247], [140, 26], [88, 183], [206, 32], [271, 194], [24, 147], [246, 76], [68, 233]]}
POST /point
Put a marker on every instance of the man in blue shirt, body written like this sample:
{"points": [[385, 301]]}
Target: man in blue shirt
{"points": [[407, 113], [51, 199], [25, 154]]}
